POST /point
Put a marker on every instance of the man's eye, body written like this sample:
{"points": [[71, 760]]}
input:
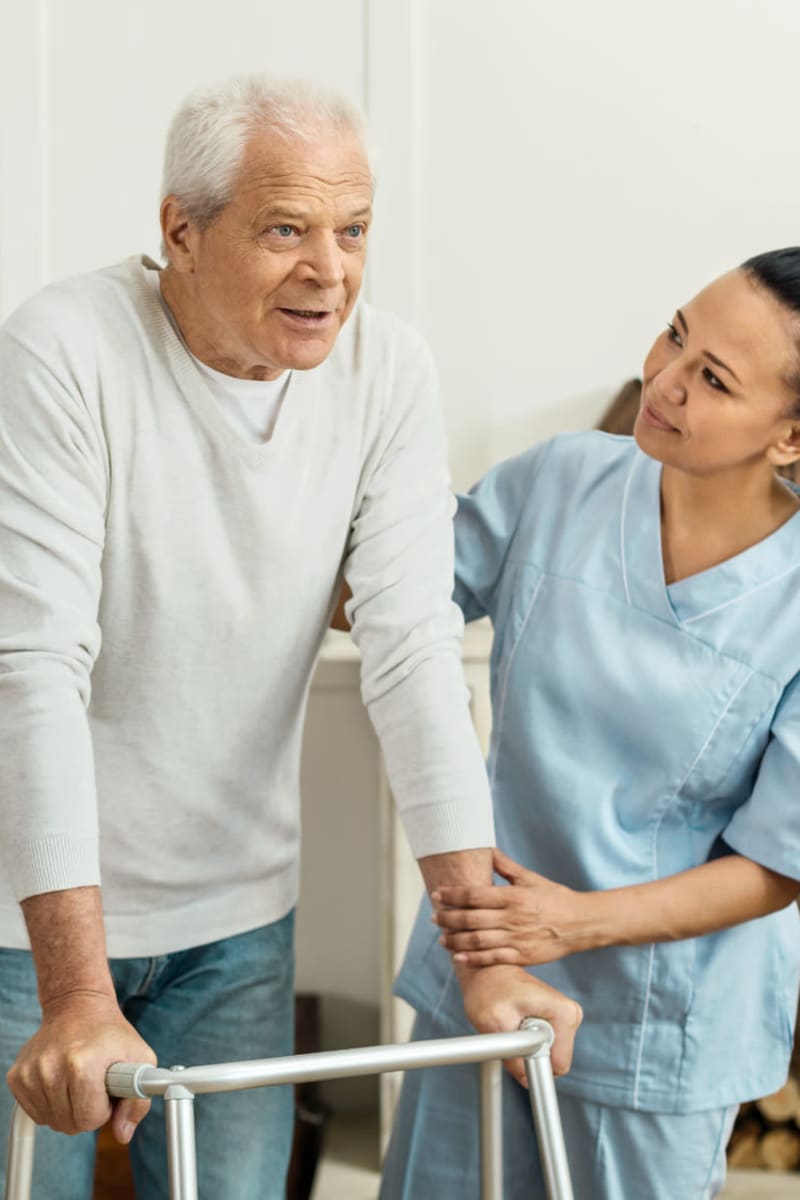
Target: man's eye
{"points": [[354, 231], [713, 380], [282, 231], [673, 335]]}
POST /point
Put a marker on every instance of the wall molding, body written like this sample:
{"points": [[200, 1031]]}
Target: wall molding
{"points": [[393, 103], [24, 250]]}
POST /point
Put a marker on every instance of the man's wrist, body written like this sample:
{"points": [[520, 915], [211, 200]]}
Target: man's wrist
{"points": [[82, 998], [458, 868], [67, 939]]}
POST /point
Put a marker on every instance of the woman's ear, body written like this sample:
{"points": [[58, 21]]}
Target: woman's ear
{"points": [[786, 450]]}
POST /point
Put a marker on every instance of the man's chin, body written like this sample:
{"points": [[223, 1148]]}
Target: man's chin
{"points": [[307, 354]]}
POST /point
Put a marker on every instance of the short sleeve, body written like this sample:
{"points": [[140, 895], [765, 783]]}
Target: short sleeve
{"points": [[767, 826], [485, 526]]}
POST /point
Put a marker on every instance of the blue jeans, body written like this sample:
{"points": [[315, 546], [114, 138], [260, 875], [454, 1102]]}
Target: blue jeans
{"points": [[221, 1002], [614, 1153]]}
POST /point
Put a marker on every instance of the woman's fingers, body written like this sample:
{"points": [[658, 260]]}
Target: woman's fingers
{"points": [[470, 897], [508, 869], [476, 939], [469, 918], [505, 866]]}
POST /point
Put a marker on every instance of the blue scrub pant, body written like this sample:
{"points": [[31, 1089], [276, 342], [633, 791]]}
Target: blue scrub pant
{"points": [[614, 1153], [228, 1000]]}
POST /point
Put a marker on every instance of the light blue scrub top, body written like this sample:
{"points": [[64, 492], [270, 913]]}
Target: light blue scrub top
{"points": [[639, 729]]}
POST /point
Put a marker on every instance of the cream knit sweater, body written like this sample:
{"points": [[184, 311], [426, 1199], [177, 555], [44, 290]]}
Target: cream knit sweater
{"points": [[164, 588]]}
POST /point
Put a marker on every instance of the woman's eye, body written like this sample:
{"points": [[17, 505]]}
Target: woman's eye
{"points": [[673, 335], [713, 380]]}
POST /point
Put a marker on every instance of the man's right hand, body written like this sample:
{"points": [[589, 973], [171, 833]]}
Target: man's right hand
{"points": [[497, 999], [59, 1075]]}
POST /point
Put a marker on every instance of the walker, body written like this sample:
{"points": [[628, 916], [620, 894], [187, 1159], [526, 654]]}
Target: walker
{"points": [[180, 1085]]}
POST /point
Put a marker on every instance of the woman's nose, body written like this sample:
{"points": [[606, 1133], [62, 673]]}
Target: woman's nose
{"points": [[670, 385]]}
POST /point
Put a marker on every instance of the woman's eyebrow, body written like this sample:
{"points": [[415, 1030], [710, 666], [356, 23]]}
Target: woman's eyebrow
{"points": [[712, 357], [718, 362]]}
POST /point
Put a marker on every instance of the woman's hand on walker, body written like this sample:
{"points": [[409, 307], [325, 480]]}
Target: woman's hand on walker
{"points": [[533, 921]]}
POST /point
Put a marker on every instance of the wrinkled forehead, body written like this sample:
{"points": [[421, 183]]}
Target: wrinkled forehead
{"points": [[329, 167], [742, 323]]}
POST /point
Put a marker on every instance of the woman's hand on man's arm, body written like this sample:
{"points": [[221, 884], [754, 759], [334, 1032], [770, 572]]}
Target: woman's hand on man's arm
{"points": [[536, 920], [339, 619]]}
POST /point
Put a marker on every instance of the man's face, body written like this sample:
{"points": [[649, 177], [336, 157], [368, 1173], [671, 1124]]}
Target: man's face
{"points": [[274, 277]]}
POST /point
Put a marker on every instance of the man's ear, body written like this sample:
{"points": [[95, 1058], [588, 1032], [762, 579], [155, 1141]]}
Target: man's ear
{"points": [[178, 233]]}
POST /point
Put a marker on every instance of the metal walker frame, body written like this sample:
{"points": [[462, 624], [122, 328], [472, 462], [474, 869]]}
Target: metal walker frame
{"points": [[180, 1085]]}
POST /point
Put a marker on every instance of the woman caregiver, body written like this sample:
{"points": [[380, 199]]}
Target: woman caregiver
{"points": [[645, 762]]}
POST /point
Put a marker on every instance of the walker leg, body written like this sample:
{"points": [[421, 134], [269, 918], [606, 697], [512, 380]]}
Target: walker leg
{"points": [[181, 1157], [549, 1134], [491, 1131], [19, 1169]]}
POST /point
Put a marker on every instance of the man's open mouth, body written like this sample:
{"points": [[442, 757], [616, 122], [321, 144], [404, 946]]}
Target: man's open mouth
{"points": [[307, 313]]}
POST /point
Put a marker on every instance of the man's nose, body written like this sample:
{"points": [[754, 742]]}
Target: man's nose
{"points": [[323, 260]]}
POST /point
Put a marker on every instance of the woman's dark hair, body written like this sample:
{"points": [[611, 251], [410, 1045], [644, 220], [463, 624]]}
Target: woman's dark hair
{"points": [[778, 271]]}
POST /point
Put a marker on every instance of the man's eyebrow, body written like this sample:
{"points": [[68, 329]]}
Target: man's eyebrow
{"points": [[717, 361], [275, 211], [281, 212]]}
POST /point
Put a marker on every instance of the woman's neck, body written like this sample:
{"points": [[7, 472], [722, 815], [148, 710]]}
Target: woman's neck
{"points": [[706, 520]]}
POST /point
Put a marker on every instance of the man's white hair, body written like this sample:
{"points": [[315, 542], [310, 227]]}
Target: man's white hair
{"points": [[208, 134]]}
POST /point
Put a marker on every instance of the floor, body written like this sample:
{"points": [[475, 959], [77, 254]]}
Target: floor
{"points": [[349, 1167], [762, 1185], [349, 1170]]}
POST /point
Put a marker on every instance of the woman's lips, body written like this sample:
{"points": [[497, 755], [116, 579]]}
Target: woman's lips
{"points": [[654, 418]]}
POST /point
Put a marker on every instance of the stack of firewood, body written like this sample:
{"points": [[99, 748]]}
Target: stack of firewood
{"points": [[767, 1132]]}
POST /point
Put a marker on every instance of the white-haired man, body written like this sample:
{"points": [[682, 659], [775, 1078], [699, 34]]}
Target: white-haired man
{"points": [[191, 459]]}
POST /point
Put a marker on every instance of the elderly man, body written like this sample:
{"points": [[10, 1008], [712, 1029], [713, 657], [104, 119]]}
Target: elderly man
{"points": [[191, 459]]}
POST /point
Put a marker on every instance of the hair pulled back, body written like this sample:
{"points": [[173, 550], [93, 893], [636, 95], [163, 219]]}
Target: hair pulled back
{"points": [[778, 272]]}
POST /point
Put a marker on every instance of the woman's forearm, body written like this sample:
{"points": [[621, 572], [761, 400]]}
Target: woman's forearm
{"points": [[537, 920], [703, 900]]}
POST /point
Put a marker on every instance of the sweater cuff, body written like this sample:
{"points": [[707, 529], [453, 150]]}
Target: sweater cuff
{"points": [[54, 864], [445, 828]]}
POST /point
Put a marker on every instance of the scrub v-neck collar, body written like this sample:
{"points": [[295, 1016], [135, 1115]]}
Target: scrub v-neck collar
{"points": [[699, 595]]}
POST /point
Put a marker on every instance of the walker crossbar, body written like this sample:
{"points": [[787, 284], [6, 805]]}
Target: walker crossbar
{"points": [[180, 1085]]}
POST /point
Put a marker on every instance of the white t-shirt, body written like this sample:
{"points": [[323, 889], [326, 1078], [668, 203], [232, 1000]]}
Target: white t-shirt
{"points": [[251, 405]]}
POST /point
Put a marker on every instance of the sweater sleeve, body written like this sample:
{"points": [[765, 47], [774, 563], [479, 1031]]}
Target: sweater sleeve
{"points": [[400, 569], [52, 502]]}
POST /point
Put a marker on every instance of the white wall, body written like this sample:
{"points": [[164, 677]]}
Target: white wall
{"points": [[581, 168], [87, 88], [553, 178]]}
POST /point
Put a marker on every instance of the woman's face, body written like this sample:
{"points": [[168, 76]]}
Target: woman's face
{"points": [[715, 392]]}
